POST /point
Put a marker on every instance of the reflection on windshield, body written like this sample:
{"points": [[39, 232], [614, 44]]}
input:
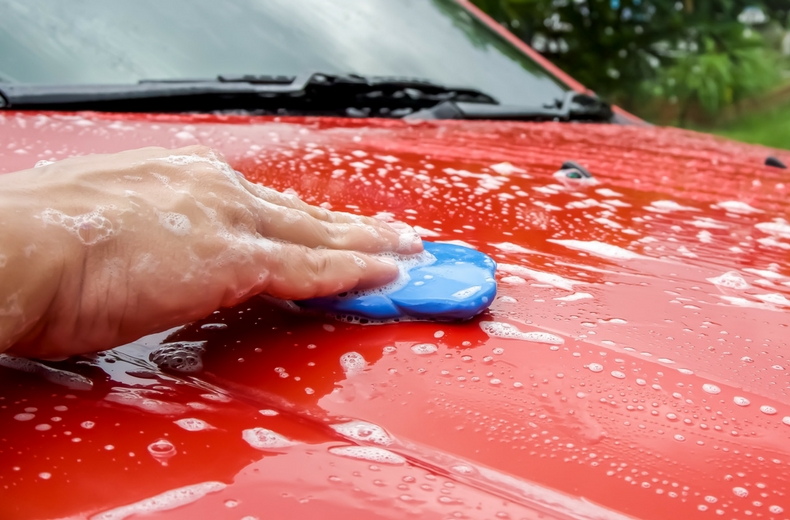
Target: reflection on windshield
{"points": [[115, 41]]}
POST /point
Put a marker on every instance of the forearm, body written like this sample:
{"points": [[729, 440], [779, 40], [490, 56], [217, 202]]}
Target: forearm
{"points": [[30, 260]]}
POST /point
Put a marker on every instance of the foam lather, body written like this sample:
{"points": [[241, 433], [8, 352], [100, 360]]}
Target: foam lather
{"points": [[445, 282]]}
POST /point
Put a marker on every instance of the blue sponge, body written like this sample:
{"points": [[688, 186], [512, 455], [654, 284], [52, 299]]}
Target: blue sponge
{"points": [[453, 283]]}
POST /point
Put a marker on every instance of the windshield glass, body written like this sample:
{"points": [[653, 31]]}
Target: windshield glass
{"points": [[118, 41]]}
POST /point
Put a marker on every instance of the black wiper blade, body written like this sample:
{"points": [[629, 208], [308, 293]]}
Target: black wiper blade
{"points": [[307, 94], [572, 107]]}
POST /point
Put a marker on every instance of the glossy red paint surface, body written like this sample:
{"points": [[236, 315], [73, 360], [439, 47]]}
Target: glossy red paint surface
{"points": [[666, 395]]}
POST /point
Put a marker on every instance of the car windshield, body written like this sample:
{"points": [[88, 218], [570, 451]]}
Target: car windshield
{"points": [[118, 41]]}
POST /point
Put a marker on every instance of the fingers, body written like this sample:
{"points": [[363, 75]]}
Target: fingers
{"points": [[297, 227], [298, 273]]}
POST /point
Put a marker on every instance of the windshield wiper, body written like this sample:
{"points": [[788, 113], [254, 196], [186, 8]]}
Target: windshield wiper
{"points": [[314, 94], [572, 107], [308, 94]]}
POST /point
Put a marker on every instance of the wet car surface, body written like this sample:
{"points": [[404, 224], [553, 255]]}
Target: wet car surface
{"points": [[634, 363]]}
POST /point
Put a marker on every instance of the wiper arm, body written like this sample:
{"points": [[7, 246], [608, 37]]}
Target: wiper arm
{"points": [[572, 107], [307, 94]]}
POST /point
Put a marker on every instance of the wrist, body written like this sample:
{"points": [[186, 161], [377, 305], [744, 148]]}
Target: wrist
{"points": [[32, 260]]}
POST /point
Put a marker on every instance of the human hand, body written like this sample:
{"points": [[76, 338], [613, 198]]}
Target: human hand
{"points": [[119, 246]]}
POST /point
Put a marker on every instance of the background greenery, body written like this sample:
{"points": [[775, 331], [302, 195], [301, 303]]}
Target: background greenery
{"points": [[717, 65]]}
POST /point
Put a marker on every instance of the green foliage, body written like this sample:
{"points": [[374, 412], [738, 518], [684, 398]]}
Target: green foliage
{"points": [[695, 55]]}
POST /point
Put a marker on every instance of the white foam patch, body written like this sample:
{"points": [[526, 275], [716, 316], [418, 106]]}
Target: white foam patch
{"points": [[775, 298], [706, 223], [456, 243], [263, 439], [191, 424], [599, 249], [730, 280], [497, 329], [666, 206], [539, 276], [508, 247], [53, 375], [162, 502], [176, 223], [90, 228], [423, 232], [505, 168], [606, 192], [735, 206], [575, 297], [363, 431], [778, 228], [369, 454]]}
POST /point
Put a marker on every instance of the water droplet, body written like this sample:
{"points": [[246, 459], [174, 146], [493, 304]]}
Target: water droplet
{"points": [[786, 420], [616, 373], [741, 401], [162, 450], [424, 348], [710, 388], [740, 492], [769, 410], [595, 367], [24, 416], [679, 437], [352, 363], [776, 509]]}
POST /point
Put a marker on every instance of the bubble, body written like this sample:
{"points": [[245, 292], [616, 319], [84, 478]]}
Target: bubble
{"points": [[193, 425], [740, 492], [263, 439], [595, 367], [711, 388], [730, 280], [352, 363], [768, 410], [741, 401], [378, 455], [162, 450], [363, 431], [424, 348], [180, 356]]}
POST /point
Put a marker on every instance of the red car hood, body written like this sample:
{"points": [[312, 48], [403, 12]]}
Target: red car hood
{"points": [[658, 389]]}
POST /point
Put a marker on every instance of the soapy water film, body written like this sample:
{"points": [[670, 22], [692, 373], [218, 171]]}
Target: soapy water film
{"points": [[624, 349]]}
